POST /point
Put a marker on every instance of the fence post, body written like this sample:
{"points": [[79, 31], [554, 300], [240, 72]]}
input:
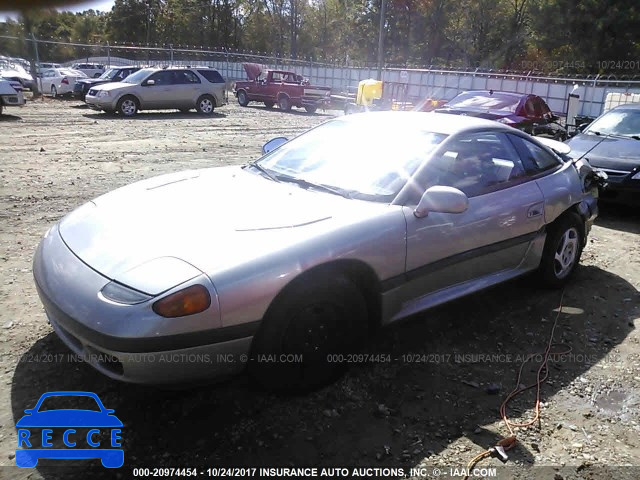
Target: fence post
{"points": [[34, 71], [108, 55], [171, 53]]}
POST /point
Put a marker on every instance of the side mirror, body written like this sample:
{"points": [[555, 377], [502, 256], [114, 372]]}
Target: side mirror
{"points": [[149, 83], [272, 144], [581, 128], [441, 199], [29, 411]]}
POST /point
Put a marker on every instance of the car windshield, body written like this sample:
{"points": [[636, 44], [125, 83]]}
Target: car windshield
{"points": [[65, 402], [617, 122], [109, 74], [507, 103], [138, 76], [365, 159]]}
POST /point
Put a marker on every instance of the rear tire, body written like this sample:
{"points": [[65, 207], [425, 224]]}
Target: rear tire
{"points": [[243, 99], [316, 319], [206, 105], [562, 250], [284, 103], [54, 91], [128, 106], [311, 109]]}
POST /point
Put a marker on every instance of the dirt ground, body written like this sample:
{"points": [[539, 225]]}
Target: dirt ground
{"points": [[433, 405]]}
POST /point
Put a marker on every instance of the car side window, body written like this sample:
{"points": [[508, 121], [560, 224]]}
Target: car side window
{"points": [[182, 77], [161, 78], [212, 76], [535, 158], [477, 163]]}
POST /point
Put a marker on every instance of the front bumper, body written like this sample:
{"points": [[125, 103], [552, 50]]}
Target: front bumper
{"points": [[100, 103], [126, 346], [16, 100], [621, 187]]}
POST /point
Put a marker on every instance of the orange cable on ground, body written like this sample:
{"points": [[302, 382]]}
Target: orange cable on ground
{"points": [[510, 442]]}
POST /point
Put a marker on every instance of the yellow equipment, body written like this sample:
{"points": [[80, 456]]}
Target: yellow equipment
{"points": [[368, 91]]}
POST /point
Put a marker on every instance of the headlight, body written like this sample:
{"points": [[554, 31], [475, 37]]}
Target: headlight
{"points": [[118, 293], [188, 301], [636, 176], [104, 93], [505, 120]]}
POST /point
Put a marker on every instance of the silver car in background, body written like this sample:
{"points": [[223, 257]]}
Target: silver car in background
{"points": [[161, 88], [283, 262]]}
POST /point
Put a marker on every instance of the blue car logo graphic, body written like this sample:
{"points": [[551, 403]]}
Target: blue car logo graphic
{"points": [[98, 430]]}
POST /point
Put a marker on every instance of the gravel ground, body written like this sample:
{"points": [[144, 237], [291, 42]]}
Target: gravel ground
{"points": [[434, 404]]}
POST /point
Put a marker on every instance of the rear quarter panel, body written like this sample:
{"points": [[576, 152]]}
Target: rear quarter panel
{"points": [[561, 189]]}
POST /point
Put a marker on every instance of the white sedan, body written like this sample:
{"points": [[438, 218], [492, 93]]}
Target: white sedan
{"points": [[59, 81]]}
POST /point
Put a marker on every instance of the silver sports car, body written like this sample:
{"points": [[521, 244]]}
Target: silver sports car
{"points": [[283, 264]]}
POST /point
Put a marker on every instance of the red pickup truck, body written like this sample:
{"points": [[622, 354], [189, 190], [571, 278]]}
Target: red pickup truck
{"points": [[287, 89]]}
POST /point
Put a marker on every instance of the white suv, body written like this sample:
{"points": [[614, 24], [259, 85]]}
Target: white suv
{"points": [[177, 88]]}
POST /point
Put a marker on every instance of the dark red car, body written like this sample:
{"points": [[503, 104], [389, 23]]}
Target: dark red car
{"points": [[526, 112]]}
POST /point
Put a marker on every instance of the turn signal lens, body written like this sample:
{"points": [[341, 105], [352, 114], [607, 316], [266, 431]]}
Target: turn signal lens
{"points": [[191, 300]]}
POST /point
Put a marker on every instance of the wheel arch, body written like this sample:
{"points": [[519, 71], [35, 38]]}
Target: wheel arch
{"points": [[357, 271], [583, 211], [211, 96], [132, 95]]}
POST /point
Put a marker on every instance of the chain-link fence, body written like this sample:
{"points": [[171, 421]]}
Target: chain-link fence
{"points": [[428, 82]]}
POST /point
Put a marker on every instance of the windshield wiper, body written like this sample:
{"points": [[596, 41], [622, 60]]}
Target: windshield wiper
{"points": [[263, 170], [617, 135], [318, 186]]}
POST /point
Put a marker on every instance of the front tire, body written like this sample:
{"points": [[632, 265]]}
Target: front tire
{"points": [[127, 106], [310, 325], [243, 99], [206, 105], [562, 250]]}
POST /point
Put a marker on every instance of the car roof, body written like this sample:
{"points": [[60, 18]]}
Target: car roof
{"points": [[436, 122]]}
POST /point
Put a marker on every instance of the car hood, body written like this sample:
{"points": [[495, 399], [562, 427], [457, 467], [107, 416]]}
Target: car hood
{"points": [[94, 81], [253, 70], [607, 152], [479, 112], [6, 88], [210, 219], [114, 86], [16, 74]]}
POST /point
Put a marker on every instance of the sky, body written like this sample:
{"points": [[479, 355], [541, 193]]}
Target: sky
{"points": [[103, 5]]}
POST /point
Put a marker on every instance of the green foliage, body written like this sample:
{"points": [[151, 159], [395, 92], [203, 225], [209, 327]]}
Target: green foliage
{"points": [[562, 36]]}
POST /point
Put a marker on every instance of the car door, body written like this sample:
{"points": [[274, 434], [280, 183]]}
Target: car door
{"points": [[45, 81], [493, 236], [155, 91], [186, 85]]}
